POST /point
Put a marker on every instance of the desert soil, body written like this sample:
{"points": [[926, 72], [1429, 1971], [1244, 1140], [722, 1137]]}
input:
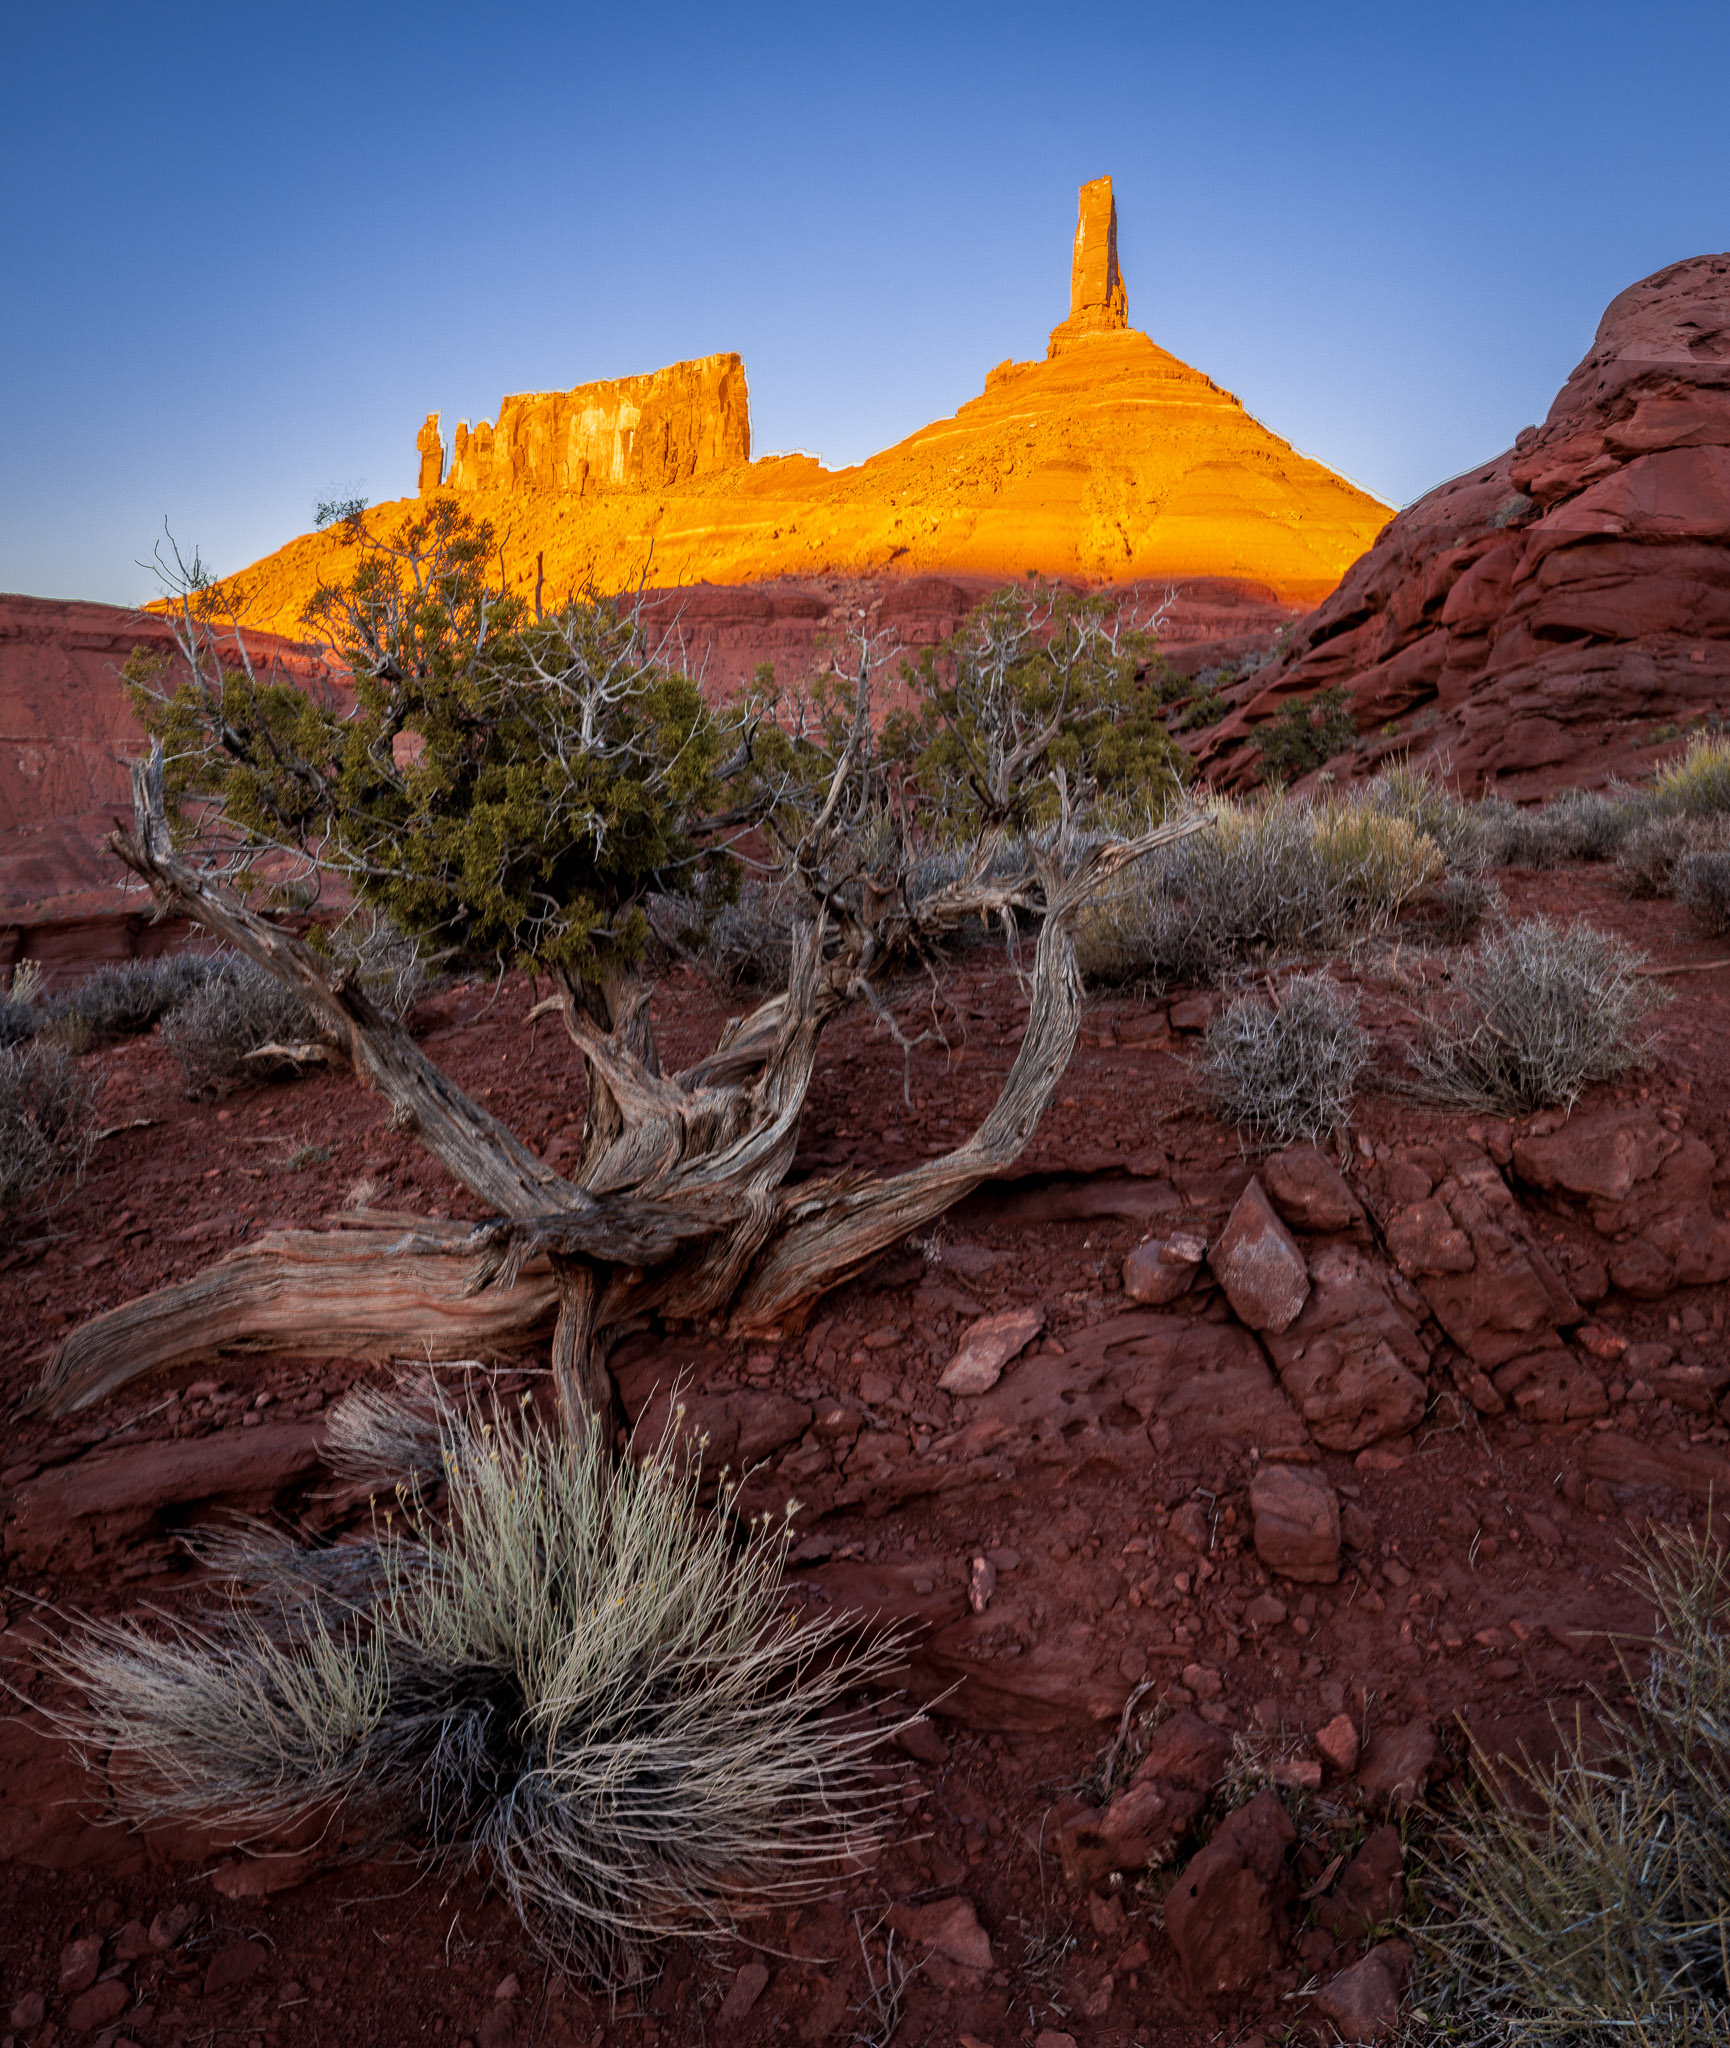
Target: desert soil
{"points": [[1479, 1590]]}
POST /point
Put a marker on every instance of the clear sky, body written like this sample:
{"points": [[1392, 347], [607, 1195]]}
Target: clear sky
{"points": [[245, 249]]}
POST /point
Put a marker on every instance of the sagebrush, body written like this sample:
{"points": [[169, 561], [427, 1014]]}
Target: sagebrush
{"points": [[47, 1126], [571, 1676], [1540, 1011], [1286, 1072], [239, 1009], [1263, 880]]}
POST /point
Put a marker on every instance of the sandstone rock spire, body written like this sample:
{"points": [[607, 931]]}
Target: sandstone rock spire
{"points": [[1098, 303], [430, 444]]}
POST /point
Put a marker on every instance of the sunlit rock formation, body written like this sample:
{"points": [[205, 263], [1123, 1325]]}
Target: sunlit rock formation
{"points": [[1098, 303], [1109, 461], [634, 433]]}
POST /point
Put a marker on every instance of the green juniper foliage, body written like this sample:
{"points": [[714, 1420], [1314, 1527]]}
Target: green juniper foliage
{"points": [[507, 789], [1308, 733], [1034, 682]]}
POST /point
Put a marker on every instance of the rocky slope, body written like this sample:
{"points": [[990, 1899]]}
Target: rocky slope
{"points": [[1529, 625], [1332, 1452]]}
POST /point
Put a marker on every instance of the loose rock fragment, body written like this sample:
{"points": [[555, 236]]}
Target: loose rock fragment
{"points": [[988, 1347], [1297, 1523], [1258, 1264]]}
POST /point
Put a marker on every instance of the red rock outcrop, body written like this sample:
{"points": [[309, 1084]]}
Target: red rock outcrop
{"points": [[65, 735], [1524, 626], [640, 433]]}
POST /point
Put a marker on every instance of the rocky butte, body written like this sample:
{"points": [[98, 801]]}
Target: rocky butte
{"points": [[1108, 462]]}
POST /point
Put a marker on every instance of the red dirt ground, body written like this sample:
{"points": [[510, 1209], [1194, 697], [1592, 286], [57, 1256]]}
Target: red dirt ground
{"points": [[1488, 1594]]}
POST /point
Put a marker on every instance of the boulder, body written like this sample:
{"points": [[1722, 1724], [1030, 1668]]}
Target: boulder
{"points": [[1602, 1155], [947, 1936], [1552, 1386], [1338, 1743], [1163, 1268], [1362, 2004], [69, 1515], [1139, 1829], [1258, 1264], [1370, 1891], [1297, 1523], [1470, 1254], [1309, 1191], [1352, 1361], [1226, 1914]]}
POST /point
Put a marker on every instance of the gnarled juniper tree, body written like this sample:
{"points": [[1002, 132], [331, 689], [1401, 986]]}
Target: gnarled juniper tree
{"points": [[522, 791]]}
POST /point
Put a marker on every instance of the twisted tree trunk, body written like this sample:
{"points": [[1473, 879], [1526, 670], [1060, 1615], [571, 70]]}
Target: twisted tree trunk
{"points": [[677, 1208]]}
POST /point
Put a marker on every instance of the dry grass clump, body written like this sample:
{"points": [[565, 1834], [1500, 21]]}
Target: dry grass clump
{"points": [[1698, 785], [47, 1126], [1287, 1073], [1263, 879], [1703, 889], [1543, 1010], [1650, 854], [570, 1676], [1593, 1910], [239, 1008]]}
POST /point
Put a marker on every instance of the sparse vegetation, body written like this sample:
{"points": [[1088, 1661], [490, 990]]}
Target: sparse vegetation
{"points": [[1307, 734], [1577, 825], [570, 1676], [1698, 785], [1286, 1072], [1464, 902], [1592, 1909], [1703, 889], [121, 1001], [238, 1009], [47, 1126], [1265, 879], [1542, 1011]]}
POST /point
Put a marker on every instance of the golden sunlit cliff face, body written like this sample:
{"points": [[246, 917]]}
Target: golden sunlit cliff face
{"points": [[1110, 461]]}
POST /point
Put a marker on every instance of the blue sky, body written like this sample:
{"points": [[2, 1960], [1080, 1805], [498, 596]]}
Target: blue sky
{"points": [[245, 250]]}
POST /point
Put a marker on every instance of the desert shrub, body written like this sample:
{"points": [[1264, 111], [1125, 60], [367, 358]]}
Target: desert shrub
{"points": [[1428, 806], [572, 1676], [1464, 900], [47, 1125], [122, 1001], [1543, 1010], [1592, 1909], [1698, 785], [1577, 825], [1287, 1071], [239, 1008], [1276, 877], [18, 1020], [1703, 889], [1307, 733], [749, 941], [1651, 852]]}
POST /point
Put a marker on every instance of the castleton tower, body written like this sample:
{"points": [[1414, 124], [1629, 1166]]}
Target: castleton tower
{"points": [[1098, 303]]}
